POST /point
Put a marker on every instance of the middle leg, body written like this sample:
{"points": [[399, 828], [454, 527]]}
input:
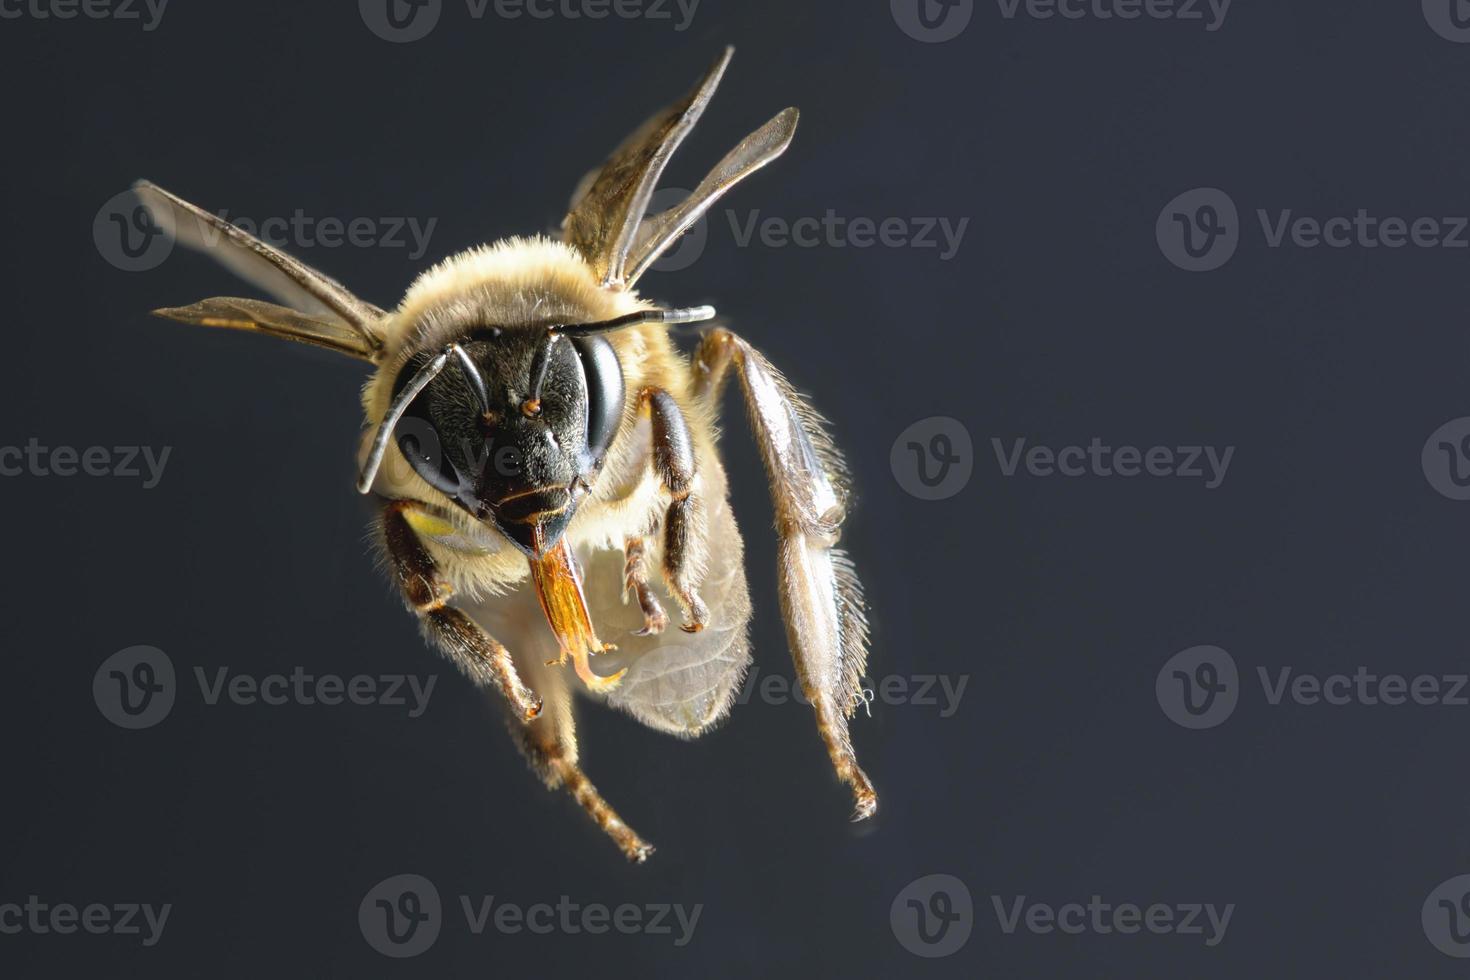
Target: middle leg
{"points": [[684, 532], [635, 581]]}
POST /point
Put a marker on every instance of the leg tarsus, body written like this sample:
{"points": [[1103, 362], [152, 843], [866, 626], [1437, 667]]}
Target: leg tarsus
{"points": [[832, 726], [635, 581], [557, 767], [698, 616]]}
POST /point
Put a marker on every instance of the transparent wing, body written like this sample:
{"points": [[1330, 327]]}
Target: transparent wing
{"points": [[609, 205], [232, 312], [677, 682], [297, 285], [660, 231], [606, 221]]}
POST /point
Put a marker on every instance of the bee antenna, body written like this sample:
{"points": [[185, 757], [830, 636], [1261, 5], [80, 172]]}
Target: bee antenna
{"points": [[688, 314], [410, 391], [542, 364], [472, 374]]}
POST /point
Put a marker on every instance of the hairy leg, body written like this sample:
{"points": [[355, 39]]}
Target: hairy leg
{"points": [[470, 648], [683, 524], [821, 598], [635, 581]]}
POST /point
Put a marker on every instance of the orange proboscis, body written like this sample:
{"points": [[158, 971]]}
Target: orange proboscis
{"points": [[559, 589]]}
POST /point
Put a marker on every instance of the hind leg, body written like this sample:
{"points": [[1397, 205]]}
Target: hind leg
{"points": [[821, 598]]}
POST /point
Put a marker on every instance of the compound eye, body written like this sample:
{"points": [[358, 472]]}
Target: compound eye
{"points": [[421, 443], [605, 393], [423, 447]]}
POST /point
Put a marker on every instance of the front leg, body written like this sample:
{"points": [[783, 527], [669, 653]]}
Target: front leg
{"points": [[635, 581], [471, 649], [821, 598], [550, 746], [683, 524]]}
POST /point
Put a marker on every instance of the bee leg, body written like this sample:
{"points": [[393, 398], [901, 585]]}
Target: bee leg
{"points": [[821, 598], [635, 580], [550, 746], [683, 524], [472, 650]]}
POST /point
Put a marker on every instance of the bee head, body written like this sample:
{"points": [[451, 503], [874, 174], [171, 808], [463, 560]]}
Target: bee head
{"points": [[513, 425]]}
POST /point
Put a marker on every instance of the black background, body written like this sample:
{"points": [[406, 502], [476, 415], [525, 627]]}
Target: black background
{"points": [[1059, 320]]}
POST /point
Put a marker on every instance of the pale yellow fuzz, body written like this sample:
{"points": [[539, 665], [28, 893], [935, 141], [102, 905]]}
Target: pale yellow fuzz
{"points": [[519, 282], [516, 281]]}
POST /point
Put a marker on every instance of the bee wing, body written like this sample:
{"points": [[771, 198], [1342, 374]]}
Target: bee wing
{"points": [[660, 231], [319, 310], [605, 222], [677, 682], [278, 321], [611, 201]]}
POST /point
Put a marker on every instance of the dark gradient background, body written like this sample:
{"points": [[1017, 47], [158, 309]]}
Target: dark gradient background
{"points": [[1059, 320]]}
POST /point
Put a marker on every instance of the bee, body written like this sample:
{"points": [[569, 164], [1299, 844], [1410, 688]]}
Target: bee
{"points": [[545, 463]]}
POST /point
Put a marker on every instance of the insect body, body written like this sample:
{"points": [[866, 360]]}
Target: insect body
{"points": [[547, 466]]}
